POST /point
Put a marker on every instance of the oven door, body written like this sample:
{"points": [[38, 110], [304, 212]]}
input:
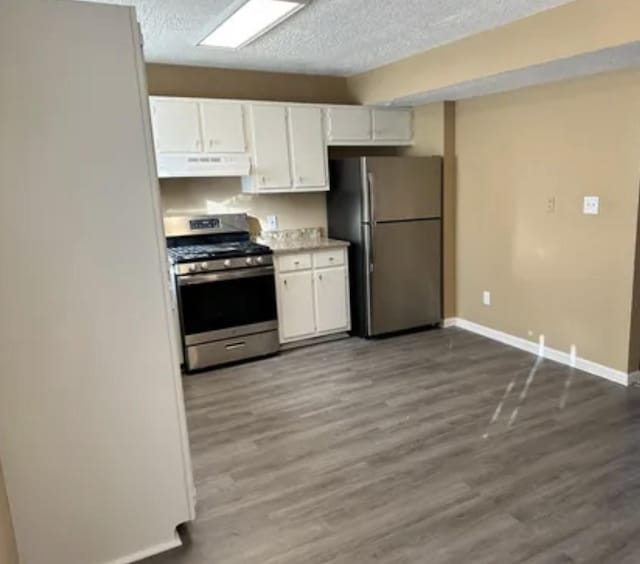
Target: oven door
{"points": [[220, 305]]}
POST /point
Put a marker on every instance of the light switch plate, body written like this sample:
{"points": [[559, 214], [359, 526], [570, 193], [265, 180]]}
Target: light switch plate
{"points": [[486, 298], [591, 205], [272, 222], [551, 204]]}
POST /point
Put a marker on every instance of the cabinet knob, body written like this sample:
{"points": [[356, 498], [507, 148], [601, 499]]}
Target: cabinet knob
{"points": [[284, 282], [320, 276]]}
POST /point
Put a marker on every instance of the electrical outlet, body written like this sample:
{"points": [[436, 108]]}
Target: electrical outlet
{"points": [[551, 204], [486, 298], [591, 205], [272, 222]]}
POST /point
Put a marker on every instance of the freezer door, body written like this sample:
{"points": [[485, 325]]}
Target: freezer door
{"points": [[404, 285], [401, 188]]}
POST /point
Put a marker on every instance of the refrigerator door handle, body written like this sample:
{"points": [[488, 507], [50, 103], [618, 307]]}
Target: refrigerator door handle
{"points": [[372, 200], [372, 208], [368, 250], [364, 180]]}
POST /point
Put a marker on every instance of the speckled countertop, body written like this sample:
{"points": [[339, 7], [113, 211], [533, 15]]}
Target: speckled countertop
{"points": [[296, 240], [297, 245]]}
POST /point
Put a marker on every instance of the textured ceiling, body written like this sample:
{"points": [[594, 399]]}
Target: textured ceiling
{"points": [[606, 60], [339, 37]]}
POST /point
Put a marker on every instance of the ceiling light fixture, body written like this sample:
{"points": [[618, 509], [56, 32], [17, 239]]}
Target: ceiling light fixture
{"points": [[247, 20]]}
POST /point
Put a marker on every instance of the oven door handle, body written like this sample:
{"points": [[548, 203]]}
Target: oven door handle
{"points": [[191, 279]]}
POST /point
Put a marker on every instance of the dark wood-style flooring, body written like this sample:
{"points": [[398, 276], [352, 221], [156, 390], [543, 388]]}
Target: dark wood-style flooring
{"points": [[436, 447]]}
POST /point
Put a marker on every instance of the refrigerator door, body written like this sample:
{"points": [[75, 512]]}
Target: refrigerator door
{"points": [[401, 188], [404, 283]]}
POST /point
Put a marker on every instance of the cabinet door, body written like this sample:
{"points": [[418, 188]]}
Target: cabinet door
{"points": [[296, 315], [176, 126], [349, 124], [392, 125], [223, 127], [308, 149], [272, 167], [332, 313]]}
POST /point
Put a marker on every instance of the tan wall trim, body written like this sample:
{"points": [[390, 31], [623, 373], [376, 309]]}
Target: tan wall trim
{"points": [[449, 210]]}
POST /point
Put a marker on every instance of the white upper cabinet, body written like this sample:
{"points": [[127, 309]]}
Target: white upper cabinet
{"points": [[197, 126], [288, 148], [274, 147], [222, 127], [357, 125], [392, 125], [308, 147], [349, 124], [176, 126], [270, 147]]}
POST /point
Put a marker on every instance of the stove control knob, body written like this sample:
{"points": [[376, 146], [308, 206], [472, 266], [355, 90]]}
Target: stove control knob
{"points": [[193, 268], [204, 266], [259, 260], [227, 263], [249, 260]]}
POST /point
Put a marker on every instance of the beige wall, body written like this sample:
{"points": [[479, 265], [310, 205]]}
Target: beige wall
{"points": [[428, 127], [224, 195], [564, 275], [8, 553], [573, 29]]}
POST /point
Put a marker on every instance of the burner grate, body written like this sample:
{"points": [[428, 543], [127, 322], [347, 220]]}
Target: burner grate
{"points": [[187, 253]]}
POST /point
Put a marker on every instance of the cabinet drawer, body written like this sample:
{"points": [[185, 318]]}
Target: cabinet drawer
{"points": [[331, 257], [288, 263]]}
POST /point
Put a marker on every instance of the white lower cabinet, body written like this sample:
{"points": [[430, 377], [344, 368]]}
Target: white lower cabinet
{"points": [[296, 315], [313, 294], [331, 299]]}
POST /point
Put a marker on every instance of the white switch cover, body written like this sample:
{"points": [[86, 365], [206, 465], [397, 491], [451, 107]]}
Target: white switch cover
{"points": [[591, 205], [272, 222], [486, 298]]}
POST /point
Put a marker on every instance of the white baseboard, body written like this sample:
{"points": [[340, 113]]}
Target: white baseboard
{"points": [[175, 542], [561, 357]]}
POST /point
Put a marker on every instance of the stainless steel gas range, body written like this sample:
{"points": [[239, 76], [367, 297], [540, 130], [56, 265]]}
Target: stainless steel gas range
{"points": [[225, 289]]}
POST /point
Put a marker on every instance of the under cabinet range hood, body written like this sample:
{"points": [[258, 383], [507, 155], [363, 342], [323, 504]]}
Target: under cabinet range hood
{"points": [[187, 165]]}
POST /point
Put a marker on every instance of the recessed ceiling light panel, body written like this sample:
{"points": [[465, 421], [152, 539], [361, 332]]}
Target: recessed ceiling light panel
{"points": [[249, 20]]}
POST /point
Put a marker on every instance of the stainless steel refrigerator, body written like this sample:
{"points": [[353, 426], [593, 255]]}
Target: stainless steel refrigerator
{"points": [[390, 209]]}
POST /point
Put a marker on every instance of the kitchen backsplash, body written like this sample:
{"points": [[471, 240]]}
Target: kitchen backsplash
{"points": [[184, 196]]}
